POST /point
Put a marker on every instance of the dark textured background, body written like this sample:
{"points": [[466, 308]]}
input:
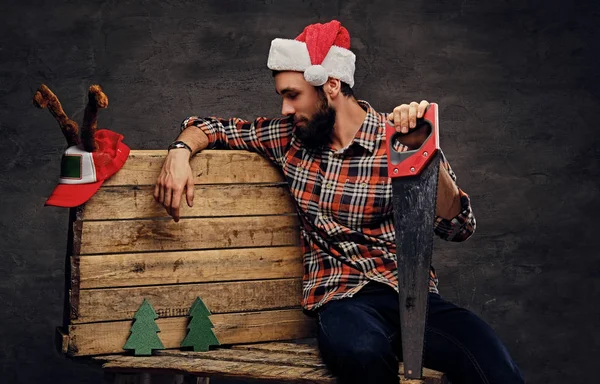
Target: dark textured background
{"points": [[517, 83]]}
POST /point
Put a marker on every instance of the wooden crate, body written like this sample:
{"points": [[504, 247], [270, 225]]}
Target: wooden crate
{"points": [[237, 249]]}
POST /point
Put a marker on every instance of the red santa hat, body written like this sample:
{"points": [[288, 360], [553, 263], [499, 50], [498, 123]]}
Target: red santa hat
{"points": [[320, 51]]}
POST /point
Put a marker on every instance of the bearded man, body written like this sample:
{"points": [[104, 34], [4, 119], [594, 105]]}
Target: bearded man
{"points": [[331, 148]]}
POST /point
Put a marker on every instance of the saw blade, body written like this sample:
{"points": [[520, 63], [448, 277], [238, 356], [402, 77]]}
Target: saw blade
{"points": [[414, 213]]}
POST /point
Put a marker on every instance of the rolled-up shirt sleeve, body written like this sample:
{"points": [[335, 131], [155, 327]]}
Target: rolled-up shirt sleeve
{"points": [[269, 137], [463, 225]]}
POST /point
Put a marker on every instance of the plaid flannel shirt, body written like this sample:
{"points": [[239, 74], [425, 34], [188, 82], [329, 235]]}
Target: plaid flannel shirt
{"points": [[343, 199]]}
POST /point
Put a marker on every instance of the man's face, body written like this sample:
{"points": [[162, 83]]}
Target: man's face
{"points": [[313, 117]]}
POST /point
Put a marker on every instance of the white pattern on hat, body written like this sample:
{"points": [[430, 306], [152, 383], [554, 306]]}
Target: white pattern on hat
{"points": [[88, 169]]}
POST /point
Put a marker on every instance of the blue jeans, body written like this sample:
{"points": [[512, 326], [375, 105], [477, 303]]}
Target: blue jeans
{"points": [[359, 340]]}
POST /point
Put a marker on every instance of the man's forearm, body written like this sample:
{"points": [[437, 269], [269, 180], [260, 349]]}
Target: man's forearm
{"points": [[448, 198], [195, 138]]}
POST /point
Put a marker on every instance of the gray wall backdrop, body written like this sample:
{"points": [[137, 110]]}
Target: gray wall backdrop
{"points": [[517, 83]]}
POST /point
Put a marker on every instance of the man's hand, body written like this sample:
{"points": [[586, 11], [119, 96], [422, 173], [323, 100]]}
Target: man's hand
{"points": [[175, 178], [404, 117]]}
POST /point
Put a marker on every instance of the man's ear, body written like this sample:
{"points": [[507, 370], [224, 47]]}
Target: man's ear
{"points": [[332, 87]]}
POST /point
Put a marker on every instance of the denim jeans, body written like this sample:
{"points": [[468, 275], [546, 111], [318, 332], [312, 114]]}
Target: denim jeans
{"points": [[359, 340]]}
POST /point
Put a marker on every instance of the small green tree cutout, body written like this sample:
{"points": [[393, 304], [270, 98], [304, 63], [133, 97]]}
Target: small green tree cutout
{"points": [[200, 335], [144, 338]]}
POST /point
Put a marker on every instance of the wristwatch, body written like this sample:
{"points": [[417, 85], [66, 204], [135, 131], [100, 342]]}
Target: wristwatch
{"points": [[179, 144]]}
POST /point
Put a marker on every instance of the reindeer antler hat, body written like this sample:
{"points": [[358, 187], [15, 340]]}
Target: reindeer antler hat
{"points": [[88, 162]]}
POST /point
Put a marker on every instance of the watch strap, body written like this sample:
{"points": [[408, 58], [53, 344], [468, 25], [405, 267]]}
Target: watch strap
{"points": [[179, 144]]}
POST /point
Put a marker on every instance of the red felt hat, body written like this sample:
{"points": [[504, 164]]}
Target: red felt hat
{"points": [[82, 173], [320, 51]]}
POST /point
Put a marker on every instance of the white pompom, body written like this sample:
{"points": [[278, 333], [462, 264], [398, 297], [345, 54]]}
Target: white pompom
{"points": [[316, 75]]}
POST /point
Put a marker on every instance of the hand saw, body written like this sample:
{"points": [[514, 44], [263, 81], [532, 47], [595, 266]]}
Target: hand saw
{"points": [[414, 175]]}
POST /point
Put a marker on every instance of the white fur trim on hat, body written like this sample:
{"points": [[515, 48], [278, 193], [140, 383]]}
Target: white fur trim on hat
{"points": [[292, 55], [340, 64], [288, 55]]}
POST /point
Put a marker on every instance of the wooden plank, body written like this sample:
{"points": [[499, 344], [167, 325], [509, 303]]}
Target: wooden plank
{"points": [[236, 366], [138, 269], [267, 356], [308, 349], [232, 328], [209, 167], [72, 281], [111, 304], [61, 340], [247, 356], [223, 369], [161, 235], [137, 202]]}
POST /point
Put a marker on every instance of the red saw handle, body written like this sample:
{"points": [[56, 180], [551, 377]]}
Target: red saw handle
{"points": [[411, 163]]}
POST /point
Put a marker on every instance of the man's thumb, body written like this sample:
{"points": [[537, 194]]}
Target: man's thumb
{"points": [[189, 192]]}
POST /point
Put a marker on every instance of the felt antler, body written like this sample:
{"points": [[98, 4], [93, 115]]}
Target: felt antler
{"points": [[97, 99], [45, 98]]}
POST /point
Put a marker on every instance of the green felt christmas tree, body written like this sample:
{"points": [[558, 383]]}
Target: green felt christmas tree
{"points": [[200, 335], [144, 338]]}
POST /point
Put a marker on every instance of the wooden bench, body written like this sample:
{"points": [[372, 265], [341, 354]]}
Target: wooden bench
{"points": [[237, 249]]}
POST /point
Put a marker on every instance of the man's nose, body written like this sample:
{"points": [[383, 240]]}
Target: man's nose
{"points": [[287, 109]]}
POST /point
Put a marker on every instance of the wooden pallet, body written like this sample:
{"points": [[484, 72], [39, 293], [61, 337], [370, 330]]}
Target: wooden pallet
{"points": [[273, 362]]}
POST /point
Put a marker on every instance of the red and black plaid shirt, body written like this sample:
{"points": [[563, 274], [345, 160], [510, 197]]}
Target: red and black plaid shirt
{"points": [[343, 199]]}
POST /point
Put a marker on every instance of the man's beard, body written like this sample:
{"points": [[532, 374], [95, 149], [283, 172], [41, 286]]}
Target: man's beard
{"points": [[318, 131]]}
